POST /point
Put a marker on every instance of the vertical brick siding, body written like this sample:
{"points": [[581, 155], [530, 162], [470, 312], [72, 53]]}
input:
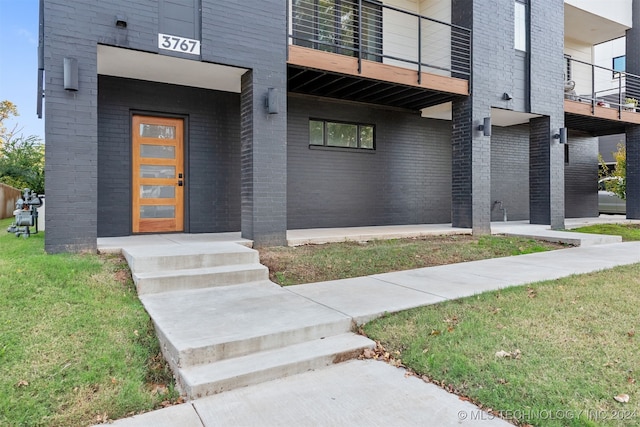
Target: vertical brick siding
{"points": [[406, 180], [509, 180]]}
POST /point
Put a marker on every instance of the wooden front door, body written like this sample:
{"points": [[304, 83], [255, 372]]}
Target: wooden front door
{"points": [[158, 174]]}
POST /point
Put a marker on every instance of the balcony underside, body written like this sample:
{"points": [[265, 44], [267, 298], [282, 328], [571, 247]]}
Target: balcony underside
{"points": [[601, 121], [318, 73]]}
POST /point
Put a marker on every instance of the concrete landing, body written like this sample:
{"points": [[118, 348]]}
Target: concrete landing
{"points": [[319, 236], [543, 232], [115, 244], [207, 325]]}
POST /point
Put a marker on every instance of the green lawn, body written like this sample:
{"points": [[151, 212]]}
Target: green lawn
{"points": [[627, 231], [577, 340], [76, 346], [316, 263]]}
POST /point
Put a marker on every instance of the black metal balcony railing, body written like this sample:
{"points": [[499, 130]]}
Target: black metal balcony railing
{"points": [[601, 86], [378, 32]]}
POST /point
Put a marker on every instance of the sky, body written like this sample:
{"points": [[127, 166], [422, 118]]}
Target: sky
{"points": [[19, 62]]}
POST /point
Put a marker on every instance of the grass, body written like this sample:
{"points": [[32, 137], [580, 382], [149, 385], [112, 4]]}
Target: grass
{"points": [[578, 339], [316, 263], [627, 231], [76, 346]]}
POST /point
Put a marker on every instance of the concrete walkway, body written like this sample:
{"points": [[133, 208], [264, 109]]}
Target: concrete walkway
{"points": [[332, 235], [368, 392]]}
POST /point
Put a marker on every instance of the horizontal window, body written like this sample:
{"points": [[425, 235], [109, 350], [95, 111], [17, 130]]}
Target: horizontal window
{"points": [[339, 134]]}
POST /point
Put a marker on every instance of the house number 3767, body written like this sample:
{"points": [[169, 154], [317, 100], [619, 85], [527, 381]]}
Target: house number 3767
{"points": [[178, 44]]}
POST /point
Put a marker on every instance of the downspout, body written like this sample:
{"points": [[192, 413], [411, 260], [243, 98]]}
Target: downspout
{"points": [[40, 60]]}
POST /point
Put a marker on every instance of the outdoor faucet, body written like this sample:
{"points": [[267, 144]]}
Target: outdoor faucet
{"points": [[502, 208]]}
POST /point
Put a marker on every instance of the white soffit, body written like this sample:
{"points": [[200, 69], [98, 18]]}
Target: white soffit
{"points": [[500, 117], [133, 64], [587, 26], [440, 111]]}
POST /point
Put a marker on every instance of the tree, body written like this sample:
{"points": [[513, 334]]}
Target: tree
{"points": [[7, 110], [21, 158], [617, 186]]}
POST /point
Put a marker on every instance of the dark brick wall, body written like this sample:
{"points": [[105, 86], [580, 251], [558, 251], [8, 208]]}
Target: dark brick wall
{"points": [[249, 34], [547, 98], [633, 132], [406, 180], [633, 171], [212, 155], [499, 68], [494, 65], [581, 176], [539, 174], [509, 158], [633, 50]]}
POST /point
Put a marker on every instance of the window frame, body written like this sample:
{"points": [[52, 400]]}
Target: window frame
{"points": [[358, 126], [522, 29], [618, 73]]}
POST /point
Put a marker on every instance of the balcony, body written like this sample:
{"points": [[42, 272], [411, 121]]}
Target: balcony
{"points": [[596, 98], [377, 53]]}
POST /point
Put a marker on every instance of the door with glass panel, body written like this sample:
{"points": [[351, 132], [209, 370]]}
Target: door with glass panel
{"points": [[158, 175]]}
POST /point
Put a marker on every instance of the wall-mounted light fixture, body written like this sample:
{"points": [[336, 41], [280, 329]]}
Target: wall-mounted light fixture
{"points": [[70, 74], [561, 135], [121, 21], [271, 101], [507, 97], [485, 127]]}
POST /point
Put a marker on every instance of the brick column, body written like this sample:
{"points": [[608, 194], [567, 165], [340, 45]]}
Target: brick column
{"points": [[633, 171], [633, 131], [263, 162], [546, 174], [471, 170], [71, 151]]}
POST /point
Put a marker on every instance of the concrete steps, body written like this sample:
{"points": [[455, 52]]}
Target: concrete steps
{"points": [[179, 257], [204, 380], [196, 278], [181, 267], [222, 324]]}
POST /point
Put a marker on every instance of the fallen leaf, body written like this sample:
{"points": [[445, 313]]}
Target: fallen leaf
{"points": [[531, 293], [631, 333], [631, 380], [622, 398], [368, 353], [136, 333], [514, 354], [159, 389], [450, 329], [434, 332], [114, 381], [22, 383]]}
